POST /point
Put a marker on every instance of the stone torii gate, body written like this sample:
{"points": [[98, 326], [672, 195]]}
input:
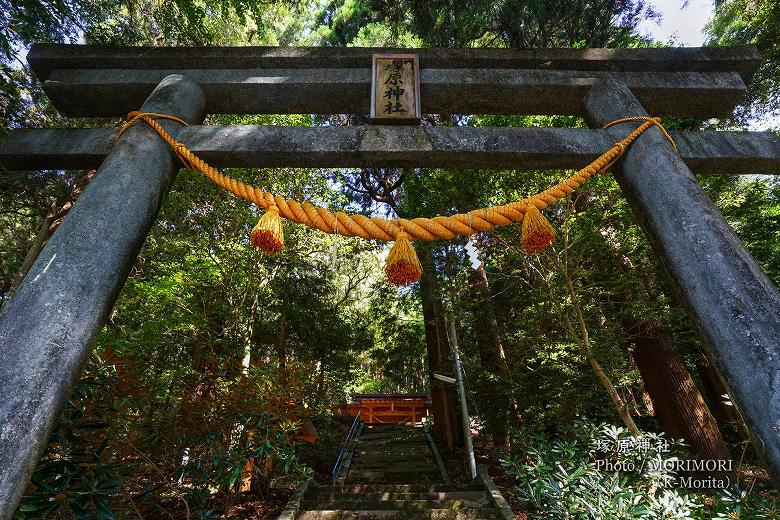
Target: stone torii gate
{"points": [[47, 329]]}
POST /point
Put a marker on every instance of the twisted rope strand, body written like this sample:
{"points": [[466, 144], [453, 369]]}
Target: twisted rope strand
{"points": [[421, 228]]}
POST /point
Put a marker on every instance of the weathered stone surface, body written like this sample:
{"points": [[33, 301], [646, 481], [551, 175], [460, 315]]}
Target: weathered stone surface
{"points": [[502, 506], [47, 329], [730, 300], [393, 146], [45, 57], [290, 510], [114, 92], [55, 148]]}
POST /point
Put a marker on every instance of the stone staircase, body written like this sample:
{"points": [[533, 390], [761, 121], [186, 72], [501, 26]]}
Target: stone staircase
{"points": [[393, 473]]}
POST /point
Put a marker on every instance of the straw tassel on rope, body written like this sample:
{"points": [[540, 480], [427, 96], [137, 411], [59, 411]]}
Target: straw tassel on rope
{"points": [[268, 234], [402, 266], [537, 233]]}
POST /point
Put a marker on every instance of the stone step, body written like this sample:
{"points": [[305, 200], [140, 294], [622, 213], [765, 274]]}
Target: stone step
{"points": [[395, 463], [392, 495], [391, 428], [400, 450], [433, 514], [398, 445], [392, 455], [395, 458], [364, 503], [407, 472], [388, 462], [396, 468], [392, 438], [392, 434], [370, 478], [392, 452], [384, 437], [392, 479], [393, 474], [396, 488], [393, 431], [393, 448]]}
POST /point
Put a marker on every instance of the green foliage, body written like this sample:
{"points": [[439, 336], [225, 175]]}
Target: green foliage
{"points": [[566, 476], [79, 473], [227, 431], [244, 430], [398, 357], [757, 22], [483, 23], [28, 21], [752, 208]]}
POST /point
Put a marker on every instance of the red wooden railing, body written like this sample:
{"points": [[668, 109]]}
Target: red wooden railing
{"points": [[388, 408]]}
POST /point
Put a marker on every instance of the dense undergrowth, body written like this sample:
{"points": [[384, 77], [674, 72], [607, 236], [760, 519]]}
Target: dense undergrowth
{"points": [[232, 440], [593, 470], [237, 440]]}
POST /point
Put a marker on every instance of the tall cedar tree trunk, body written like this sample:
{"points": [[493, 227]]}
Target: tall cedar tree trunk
{"points": [[445, 425], [714, 387], [646, 400], [678, 405], [659, 362], [726, 415], [495, 377]]}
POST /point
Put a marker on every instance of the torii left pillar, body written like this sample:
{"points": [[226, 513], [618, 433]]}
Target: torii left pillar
{"points": [[48, 328]]}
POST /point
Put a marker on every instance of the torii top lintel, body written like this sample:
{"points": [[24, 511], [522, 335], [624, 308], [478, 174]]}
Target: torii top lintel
{"points": [[99, 81]]}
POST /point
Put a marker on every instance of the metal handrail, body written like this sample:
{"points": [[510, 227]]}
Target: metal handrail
{"points": [[350, 437]]}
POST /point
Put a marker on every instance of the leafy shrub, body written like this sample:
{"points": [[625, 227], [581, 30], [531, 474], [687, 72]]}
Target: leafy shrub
{"points": [[570, 475], [77, 474], [110, 455], [245, 432]]}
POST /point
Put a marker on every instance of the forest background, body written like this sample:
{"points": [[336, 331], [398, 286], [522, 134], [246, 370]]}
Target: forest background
{"points": [[210, 339]]}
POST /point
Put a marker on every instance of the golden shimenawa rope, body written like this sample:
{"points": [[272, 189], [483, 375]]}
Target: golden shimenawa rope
{"points": [[422, 228]]}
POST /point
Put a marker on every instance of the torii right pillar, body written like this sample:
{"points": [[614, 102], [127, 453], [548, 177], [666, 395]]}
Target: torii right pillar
{"points": [[735, 307]]}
